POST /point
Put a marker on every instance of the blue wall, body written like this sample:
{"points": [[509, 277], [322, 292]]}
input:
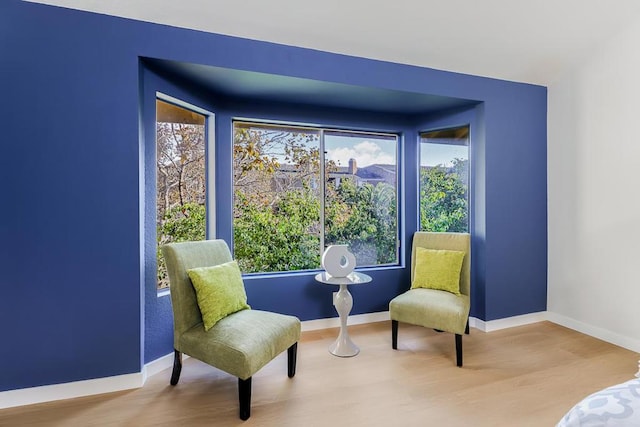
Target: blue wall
{"points": [[74, 305]]}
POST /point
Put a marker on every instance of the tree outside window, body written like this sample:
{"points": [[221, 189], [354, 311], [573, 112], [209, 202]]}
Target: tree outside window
{"points": [[180, 178], [444, 180]]}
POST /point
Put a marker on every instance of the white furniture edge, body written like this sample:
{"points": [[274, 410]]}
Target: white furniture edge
{"points": [[48, 393], [343, 346]]}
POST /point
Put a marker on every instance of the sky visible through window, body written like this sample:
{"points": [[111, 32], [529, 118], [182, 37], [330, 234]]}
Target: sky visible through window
{"points": [[367, 151], [442, 154]]}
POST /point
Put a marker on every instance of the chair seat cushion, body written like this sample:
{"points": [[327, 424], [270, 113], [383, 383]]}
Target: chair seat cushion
{"points": [[432, 309], [243, 342]]}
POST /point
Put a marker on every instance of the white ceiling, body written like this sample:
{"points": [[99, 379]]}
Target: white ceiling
{"points": [[527, 41]]}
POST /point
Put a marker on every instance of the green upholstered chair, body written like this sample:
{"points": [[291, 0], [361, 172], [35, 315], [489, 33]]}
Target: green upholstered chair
{"points": [[240, 343], [437, 309]]}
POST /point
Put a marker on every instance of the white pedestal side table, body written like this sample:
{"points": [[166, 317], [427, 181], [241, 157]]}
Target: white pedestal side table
{"points": [[343, 302]]}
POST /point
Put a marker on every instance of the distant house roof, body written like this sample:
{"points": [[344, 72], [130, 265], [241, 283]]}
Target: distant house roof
{"points": [[371, 174]]}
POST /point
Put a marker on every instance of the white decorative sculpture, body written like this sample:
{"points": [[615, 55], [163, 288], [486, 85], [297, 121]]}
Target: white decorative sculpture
{"points": [[339, 264], [338, 261]]}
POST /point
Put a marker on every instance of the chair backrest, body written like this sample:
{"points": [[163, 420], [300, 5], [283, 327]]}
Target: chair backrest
{"points": [[448, 241], [179, 258]]}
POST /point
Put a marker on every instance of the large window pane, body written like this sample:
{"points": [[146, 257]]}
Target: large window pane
{"points": [[444, 180], [285, 214], [180, 171], [360, 195], [276, 214]]}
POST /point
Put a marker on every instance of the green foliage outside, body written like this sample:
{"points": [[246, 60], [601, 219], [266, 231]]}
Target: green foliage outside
{"points": [[444, 198], [179, 224], [285, 235], [364, 217], [180, 187], [279, 237]]}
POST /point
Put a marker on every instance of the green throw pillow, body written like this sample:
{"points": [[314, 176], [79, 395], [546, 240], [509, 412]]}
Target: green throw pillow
{"points": [[219, 291], [438, 269]]}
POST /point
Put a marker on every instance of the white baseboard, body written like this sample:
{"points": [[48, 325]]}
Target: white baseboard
{"points": [[594, 331], [492, 325], [507, 322], [155, 366], [334, 322], [48, 393], [159, 365]]}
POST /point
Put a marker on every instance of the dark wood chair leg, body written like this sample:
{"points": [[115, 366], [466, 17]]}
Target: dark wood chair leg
{"points": [[177, 367], [458, 350], [292, 353], [244, 394], [394, 334], [466, 330]]}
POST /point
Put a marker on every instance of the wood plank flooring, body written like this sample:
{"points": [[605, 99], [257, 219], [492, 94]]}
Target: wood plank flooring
{"points": [[524, 376]]}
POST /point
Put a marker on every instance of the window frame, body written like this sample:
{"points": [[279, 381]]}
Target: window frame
{"points": [[451, 141], [335, 130], [209, 168]]}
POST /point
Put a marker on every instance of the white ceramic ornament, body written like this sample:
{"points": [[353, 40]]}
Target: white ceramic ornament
{"points": [[338, 261]]}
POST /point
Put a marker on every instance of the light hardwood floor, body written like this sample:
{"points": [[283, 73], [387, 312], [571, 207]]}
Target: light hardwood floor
{"points": [[524, 376]]}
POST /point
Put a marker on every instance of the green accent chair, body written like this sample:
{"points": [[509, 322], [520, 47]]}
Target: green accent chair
{"points": [[436, 309], [240, 343]]}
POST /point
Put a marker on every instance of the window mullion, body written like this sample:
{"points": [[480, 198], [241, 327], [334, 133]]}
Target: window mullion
{"points": [[323, 191]]}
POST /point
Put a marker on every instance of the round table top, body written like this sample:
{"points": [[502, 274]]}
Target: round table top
{"points": [[353, 278]]}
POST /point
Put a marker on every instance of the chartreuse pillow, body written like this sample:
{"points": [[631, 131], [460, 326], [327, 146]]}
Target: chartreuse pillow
{"points": [[438, 269], [219, 291]]}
